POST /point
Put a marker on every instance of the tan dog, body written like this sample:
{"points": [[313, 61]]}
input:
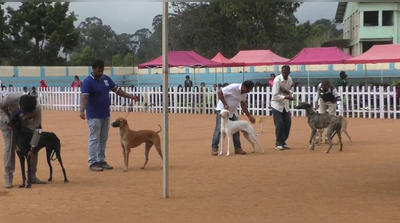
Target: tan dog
{"points": [[132, 139]]}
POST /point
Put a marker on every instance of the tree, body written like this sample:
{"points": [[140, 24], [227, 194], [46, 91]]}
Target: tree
{"points": [[39, 31], [99, 37], [324, 30], [85, 58], [4, 31]]}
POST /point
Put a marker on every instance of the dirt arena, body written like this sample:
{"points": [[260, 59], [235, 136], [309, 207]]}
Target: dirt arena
{"points": [[360, 183]]}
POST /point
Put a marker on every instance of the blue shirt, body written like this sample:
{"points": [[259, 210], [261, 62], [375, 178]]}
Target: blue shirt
{"points": [[98, 105]]}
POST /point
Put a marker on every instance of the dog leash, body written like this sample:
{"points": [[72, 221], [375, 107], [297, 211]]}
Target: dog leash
{"points": [[129, 111]]}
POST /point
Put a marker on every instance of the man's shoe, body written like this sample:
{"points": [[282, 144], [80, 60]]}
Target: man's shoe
{"points": [[95, 167], [105, 166], [240, 151], [214, 152], [8, 184], [279, 148], [35, 180]]}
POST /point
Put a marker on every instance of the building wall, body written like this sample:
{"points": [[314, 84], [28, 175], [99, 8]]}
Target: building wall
{"points": [[354, 29]]}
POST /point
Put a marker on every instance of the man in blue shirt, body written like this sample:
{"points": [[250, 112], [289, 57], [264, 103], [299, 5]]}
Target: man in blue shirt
{"points": [[95, 99]]}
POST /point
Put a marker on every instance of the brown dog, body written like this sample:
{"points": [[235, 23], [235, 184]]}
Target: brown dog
{"points": [[132, 139]]}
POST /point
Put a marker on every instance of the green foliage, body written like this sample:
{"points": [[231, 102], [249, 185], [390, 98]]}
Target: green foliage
{"points": [[36, 32]]}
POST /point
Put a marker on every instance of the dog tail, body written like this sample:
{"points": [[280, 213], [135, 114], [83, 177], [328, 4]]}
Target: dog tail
{"points": [[160, 129], [52, 156]]}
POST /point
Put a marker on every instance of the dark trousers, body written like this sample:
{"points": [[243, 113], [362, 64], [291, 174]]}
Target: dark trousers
{"points": [[283, 122]]}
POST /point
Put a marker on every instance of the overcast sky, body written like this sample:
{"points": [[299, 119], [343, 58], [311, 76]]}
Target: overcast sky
{"points": [[127, 17]]}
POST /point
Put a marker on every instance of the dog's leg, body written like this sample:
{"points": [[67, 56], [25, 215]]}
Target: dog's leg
{"points": [[58, 155], [347, 134], [29, 178], [157, 144], [22, 163], [48, 157], [222, 143], [340, 141], [246, 135], [254, 137], [124, 154], [312, 139], [228, 150], [331, 133], [146, 153]]}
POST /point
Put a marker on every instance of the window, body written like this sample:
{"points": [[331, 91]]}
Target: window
{"points": [[371, 18], [387, 18]]}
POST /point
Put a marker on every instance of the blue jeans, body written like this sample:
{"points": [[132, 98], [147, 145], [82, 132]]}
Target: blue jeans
{"points": [[283, 122], [217, 134], [98, 139]]}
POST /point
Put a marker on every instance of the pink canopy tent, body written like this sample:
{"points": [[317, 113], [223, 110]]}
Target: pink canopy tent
{"points": [[388, 53], [320, 55], [182, 59], [258, 58], [226, 62]]}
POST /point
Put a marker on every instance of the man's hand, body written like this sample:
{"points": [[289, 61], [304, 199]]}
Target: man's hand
{"points": [[226, 107], [290, 98], [30, 153], [135, 97], [82, 115], [252, 119]]}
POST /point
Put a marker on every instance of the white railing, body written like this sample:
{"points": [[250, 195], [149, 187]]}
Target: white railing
{"points": [[370, 102]]}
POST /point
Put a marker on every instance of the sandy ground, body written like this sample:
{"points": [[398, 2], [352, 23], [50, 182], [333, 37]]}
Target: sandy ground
{"points": [[360, 183]]}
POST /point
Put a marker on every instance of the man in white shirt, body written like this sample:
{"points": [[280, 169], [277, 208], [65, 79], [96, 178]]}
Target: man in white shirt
{"points": [[230, 97], [280, 107], [327, 99]]}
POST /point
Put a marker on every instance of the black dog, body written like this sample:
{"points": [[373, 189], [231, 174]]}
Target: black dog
{"points": [[22, 137]]}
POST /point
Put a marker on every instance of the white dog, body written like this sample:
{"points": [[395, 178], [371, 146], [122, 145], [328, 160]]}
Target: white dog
{"points": [[228, 128]]}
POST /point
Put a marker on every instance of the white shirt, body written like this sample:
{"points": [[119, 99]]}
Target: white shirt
{"points": [[278, 97], [233, 96]]}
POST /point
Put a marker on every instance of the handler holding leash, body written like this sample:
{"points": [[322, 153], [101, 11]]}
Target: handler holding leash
{"points": [[95, 99], [230, 97], [30, 114], [280, 107]]}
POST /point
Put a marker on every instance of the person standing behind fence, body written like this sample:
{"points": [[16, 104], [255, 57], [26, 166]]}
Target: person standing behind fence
{"points": [[230, 97], [280, 107], [95, 99], [77, 83]]}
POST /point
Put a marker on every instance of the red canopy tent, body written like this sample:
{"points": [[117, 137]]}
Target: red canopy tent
{"points": [[320, 55], [182, 59], [258, 58], [388, 53]]}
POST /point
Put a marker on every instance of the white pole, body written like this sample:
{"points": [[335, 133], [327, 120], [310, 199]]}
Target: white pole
{"points": [[165, 98]]}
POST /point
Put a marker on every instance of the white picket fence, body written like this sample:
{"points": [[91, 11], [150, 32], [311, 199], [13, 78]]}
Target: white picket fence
{"points": [[370, 102]]}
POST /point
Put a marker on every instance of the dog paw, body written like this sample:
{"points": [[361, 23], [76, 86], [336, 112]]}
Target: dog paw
{"points": [[253, 151], [219, 154], [262, 152], [227, 155], [28, 186], [21, 186], [125, 170]]}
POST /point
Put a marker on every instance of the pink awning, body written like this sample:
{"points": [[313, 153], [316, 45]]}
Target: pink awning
{"points": [[258, 58], [388, 53], [182, 59], [320, 55], [226, 62]]}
